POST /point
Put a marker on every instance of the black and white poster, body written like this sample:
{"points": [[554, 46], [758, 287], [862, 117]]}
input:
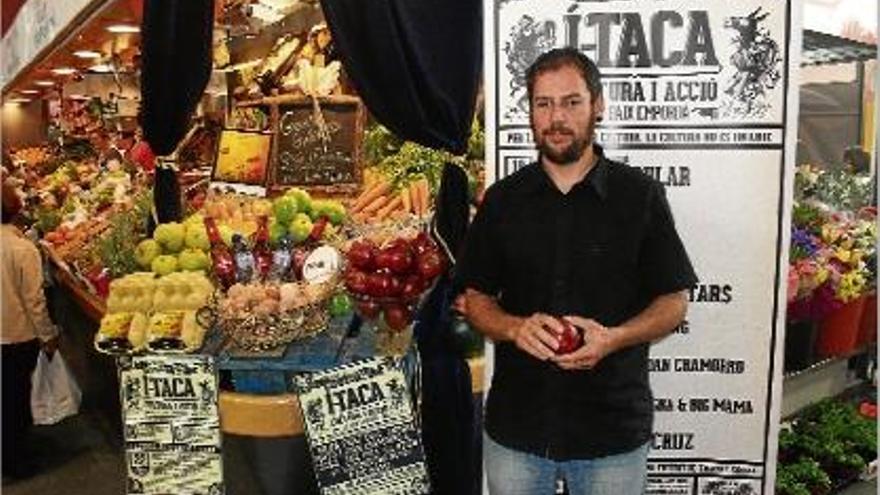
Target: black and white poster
{"points": [[702, 96], [171, 425], [361, 432]]}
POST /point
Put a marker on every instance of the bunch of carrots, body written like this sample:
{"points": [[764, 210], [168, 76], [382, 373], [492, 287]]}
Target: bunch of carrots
{"points": [[379, 201]]}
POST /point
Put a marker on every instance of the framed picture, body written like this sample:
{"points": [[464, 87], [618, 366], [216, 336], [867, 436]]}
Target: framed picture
{"points": [[242, 161]]}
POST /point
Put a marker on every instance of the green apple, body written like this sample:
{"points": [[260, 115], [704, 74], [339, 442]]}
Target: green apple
{"points": [[226, 234], [170, 236], [303, 199], [164, 264], [300, 227], [197, 237], [285, 208], [193, 260], [276, 232], [335, 212], [146, 251]]}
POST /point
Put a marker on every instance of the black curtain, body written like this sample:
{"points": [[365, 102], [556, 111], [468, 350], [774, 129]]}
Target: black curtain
{"points": [[176, 39], [415, 63]]}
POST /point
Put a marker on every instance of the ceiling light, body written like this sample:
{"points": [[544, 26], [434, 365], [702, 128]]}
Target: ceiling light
{"points": [[102, 68], [44, 83], [18, 100], [123, 28], [77, 96], [29, 92], [87, 54], [64, 71]]}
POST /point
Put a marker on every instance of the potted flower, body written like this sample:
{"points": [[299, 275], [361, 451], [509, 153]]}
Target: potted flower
{"points": [[848, 280]]}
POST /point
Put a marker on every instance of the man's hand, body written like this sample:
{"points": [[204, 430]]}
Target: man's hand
{"points": [[538, 335], [49, 346], [598, 343]]}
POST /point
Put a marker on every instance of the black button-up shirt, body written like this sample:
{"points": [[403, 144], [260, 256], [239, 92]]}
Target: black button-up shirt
{"points": [[603, 251]]}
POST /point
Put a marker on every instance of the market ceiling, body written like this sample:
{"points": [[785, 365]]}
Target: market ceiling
{"points": [[105, 35]]}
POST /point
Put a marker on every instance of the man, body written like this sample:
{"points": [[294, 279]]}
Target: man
{"points": [[578, 236], [26, 328]]}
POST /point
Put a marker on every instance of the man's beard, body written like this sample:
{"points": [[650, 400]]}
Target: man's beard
{"points": [[571, 153]]}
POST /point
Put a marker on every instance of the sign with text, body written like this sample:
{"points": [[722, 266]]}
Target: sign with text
{"points": [[171, 425], [318, 148], [699, 96], [361, 431]]}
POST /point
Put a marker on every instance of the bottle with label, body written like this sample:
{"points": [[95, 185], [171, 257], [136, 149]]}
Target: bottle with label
{"points": [[223, 263], [262, 253], [282, 258], [245, 264]]}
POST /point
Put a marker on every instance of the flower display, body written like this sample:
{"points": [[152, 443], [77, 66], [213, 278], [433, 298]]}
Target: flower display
{"points": [[832, 252]]}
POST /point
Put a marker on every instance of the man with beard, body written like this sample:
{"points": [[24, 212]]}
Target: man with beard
{"points": [[574, 239]]}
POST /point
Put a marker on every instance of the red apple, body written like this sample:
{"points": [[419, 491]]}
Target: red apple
{"points": [[361, 255], [400, 259], [422, 243], [356, 280], [429, 265], [396, 317], [570, 339], [383, 259], [368, 309], [413, 285], [395, 286], [379, 284]]}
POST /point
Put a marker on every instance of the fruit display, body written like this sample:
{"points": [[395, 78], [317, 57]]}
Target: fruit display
{"points": [[159, 314], [32, 156], [387, 277]]}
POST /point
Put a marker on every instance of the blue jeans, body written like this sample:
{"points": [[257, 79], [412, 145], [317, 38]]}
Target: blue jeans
{"points": [[511, 472]]}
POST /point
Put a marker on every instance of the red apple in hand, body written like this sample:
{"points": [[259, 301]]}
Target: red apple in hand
{"points": [[570, 339]]}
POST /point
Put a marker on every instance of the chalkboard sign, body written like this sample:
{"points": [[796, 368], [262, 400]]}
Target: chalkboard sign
{"points": [[306, 156], [360, 430]]}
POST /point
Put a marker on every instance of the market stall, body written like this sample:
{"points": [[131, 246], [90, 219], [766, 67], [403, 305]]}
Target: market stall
{"points": [[282, 231]]}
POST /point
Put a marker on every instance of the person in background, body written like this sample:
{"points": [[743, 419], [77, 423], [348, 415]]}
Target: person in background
{"points": [[572, 240], [26, 329]]}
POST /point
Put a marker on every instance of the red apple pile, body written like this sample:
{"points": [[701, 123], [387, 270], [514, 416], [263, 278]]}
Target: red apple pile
{"points": [[388, 280]]}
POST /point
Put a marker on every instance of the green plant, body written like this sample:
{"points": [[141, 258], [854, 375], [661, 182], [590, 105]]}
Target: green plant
{"points": [[801, 478]]}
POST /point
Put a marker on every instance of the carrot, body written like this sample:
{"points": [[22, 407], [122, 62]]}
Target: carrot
{"points": [[388, 208], [405, 200], [414, 193], [382, 187], [424, 195], [375, 204]]}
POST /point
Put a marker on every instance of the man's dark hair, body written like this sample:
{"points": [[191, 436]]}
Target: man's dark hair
{"points": [[12, 204], [558, 58]]}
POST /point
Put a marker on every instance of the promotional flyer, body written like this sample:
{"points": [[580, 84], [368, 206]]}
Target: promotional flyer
{"points": [[700, 96], [361, 431], [171, 425]]}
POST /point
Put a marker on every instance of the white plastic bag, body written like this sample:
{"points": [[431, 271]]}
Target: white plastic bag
{"points": [[55, 394]]}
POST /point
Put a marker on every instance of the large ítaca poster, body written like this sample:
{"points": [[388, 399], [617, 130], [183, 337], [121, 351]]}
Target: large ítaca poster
{"points": [[698, 95], [171, 425], [361, 431]]}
